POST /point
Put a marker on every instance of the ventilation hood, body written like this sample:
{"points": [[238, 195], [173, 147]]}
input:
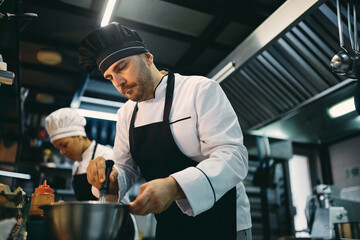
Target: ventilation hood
{"points": [[281, 74]]}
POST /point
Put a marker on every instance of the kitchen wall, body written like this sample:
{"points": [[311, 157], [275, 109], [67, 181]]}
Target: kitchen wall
{"points": [[345, 162]]}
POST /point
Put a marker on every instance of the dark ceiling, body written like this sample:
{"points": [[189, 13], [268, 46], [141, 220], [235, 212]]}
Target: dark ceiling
{"points": [[284, 75], [189, 37]]}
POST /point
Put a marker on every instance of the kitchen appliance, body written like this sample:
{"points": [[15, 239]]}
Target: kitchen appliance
{"points": [[325, 208]]}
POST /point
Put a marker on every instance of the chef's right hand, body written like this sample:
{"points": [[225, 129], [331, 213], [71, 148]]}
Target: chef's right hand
{"points": [[96, 175]]}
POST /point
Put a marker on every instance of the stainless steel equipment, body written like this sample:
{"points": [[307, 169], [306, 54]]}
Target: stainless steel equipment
{"points": [[325, 209], [91, 220], [324, 221]]}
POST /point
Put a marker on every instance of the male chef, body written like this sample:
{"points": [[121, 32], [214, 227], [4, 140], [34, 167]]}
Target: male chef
{"points": [[178, 132]]}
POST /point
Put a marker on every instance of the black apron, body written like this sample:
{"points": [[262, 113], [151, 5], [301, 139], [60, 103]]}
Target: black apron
{"points": [[154, 150], [82, 187]]}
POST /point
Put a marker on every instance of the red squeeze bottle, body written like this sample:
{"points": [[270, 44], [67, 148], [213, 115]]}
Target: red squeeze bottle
{"points": [[42, 195]]}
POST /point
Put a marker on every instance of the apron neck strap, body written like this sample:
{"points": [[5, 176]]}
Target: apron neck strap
{"points": [[169, 96], [168, 100], [93, 154]]}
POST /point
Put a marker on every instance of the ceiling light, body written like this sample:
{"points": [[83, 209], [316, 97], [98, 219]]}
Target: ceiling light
{"points": [[272, 132], [108, 12], [101, 102], [49, 57], [224, 72], [45, 98], [15, 175], [342, 108], [97, 114]]}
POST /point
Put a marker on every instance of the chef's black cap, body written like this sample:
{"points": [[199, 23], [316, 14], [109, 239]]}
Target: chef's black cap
{"points": [[107, 45]]}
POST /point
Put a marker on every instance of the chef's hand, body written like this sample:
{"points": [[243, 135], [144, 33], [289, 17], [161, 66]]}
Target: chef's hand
{"points": [[156, 196], [96, 175]]}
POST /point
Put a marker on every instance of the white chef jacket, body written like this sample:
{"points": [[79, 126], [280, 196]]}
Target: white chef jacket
{"points": [[206, 129], [101, 150]]}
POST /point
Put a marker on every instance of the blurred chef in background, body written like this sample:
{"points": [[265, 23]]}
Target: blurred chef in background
{"points": [[66, 129]]}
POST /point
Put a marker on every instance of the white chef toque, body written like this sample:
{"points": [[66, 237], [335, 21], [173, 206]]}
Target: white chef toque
{"points": [[65, 122]]}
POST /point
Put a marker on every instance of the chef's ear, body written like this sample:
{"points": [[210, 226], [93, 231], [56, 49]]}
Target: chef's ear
{"points": [[149, 58], [79, 138]]}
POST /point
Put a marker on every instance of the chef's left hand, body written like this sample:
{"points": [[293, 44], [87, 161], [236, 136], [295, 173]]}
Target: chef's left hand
{"points": [[156, 196]]}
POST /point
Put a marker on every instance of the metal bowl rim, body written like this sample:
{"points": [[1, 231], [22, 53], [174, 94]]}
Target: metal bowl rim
{"points": [[83, 203]]}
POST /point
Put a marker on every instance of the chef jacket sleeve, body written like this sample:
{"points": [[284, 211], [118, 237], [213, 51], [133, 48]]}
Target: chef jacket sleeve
{"points": [[221, 142]]}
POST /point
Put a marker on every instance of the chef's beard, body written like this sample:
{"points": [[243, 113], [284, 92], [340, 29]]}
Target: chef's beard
{"points": [[144, 89]]}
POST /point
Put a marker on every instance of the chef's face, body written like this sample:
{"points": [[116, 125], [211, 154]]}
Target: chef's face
{"points": [[131, 76], [70, 147]]}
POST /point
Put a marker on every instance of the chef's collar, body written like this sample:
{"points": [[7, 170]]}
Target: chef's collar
{"points": [[161, 87], [89, 151]]}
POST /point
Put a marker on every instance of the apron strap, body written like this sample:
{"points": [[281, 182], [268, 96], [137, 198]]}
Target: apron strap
{"points": [[93, 154], [92, 157], [169, 96], [167, 107]]}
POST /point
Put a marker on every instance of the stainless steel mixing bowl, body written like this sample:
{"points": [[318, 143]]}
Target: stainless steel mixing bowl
{"points": [[90, 220]]}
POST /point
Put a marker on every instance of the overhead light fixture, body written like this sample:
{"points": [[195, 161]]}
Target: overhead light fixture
{"points": [[342, 108], [49, 57], [97, 114], [108, 11], [15, 175], [101, 102], [45, 98], [224, 72]]}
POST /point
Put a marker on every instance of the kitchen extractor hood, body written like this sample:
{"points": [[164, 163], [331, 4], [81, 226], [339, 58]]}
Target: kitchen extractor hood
{"points": [[283, 66]]}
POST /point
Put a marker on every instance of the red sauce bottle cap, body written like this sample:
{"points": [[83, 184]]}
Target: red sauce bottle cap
{"points": [[44, 188]]}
